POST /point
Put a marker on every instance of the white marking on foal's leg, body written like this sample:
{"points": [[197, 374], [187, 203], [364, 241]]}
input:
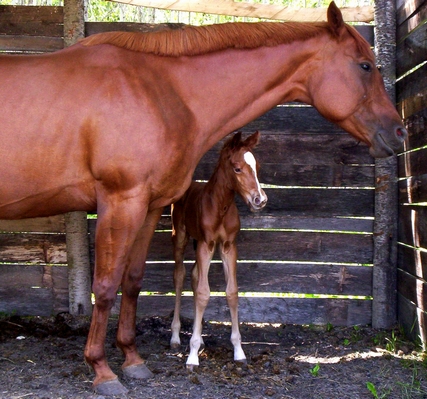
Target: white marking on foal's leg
{"points": [[236, 340], [251, 161]]}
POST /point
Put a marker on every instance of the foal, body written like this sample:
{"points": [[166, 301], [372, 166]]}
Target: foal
{"points": [[208, 213]]}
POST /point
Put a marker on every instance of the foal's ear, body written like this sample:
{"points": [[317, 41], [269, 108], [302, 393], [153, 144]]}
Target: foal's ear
{"points": [[235, 140], [335, 20], [252, 140]]}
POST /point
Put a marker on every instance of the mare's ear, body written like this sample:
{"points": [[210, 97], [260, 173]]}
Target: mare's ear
{"points": [[252, 140], [235, 140], [335, 20]]}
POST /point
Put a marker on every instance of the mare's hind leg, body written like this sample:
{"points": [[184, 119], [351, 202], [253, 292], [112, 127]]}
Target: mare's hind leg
{"points": [[133, 365], [118, 223], [229, 259], [180, 241], [201, 291]]}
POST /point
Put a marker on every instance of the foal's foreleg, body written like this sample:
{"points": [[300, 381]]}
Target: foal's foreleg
{"points": [[229, 259], [133, 365], [201, 291]]}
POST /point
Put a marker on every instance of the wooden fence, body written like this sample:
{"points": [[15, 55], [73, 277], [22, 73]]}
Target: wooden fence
{"points": [[315, 236], [412, 104]]}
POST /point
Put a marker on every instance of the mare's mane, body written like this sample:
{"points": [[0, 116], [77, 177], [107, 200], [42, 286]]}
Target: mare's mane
{"points": [[197, 40]]}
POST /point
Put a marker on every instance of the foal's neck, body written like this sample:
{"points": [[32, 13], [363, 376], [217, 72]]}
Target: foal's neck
{"points": [[220, 190]]}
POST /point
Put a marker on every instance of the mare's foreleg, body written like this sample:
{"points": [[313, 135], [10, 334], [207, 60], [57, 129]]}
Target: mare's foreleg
{"points": [[229, 259], [118, 224], [133, 365], [201, 289], [179, 240]]}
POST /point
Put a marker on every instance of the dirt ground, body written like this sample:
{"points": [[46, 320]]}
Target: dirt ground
{"points": [[42, 358]]}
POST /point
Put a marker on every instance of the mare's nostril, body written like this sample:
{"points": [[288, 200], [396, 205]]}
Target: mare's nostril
{"points": [[402, 133], [257, 201]]}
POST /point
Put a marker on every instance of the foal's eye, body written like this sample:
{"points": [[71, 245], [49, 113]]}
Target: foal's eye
{"points": [[237, 170], [366, 66]]}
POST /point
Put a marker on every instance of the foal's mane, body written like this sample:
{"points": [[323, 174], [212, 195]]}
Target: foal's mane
{"points": [[197, 40]]}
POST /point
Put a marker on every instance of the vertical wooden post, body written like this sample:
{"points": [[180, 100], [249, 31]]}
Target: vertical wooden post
{"points": [[384, 307], [79, 279]]}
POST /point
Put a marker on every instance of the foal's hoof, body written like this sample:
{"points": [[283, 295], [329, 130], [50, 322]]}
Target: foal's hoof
{"points": [[138, 371], [110, 388], [241, 362], [175, 348], [191, 367]]}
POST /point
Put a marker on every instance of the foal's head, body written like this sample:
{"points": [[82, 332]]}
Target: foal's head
{"points": [[241, 169]]}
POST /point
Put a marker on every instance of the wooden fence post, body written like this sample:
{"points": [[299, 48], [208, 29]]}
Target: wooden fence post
{"points": [[79, 278], [384, 306]]}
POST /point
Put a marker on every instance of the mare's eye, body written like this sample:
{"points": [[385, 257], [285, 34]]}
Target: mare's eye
{"points": [[366, 66], [237, 170]]}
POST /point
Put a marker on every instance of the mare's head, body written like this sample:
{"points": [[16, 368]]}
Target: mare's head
{"points": [[347, 88], [241, 169]]}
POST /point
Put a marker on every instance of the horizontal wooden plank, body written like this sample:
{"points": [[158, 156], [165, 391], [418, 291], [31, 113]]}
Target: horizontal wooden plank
{"points": [[301, 148], [413, 226], [413, 163], [284, 245], [263, 220], [413, 190], [410, 15], [29, 302], [411, 50], [33, 248], [21, 276], [293, 118], [92, 28], [404, 9], [320, 202], [272, 277], [413, 289], [412, 260], [257, 10], [412, 319], [337, 175], [52, 224], [30, 43], [415, 125], [304, 160], [338, 312], [33, 281], [411, 92], [26, 14]]}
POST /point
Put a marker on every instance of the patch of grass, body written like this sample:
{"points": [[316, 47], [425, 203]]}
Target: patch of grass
{"points": [[413, 388], [315, 370], [373, 390]]}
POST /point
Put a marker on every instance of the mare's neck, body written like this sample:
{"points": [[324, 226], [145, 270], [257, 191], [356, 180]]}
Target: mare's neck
{"points": [[228, 89]]}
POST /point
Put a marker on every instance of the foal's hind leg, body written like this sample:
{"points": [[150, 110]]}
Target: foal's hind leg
{"points": [[229, 259], [179, 240], [133, 365], [201, 291]]}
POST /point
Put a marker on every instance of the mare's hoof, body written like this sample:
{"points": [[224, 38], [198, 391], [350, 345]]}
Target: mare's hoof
{"points": [[241, 362], [113, 387], [138, 371]]}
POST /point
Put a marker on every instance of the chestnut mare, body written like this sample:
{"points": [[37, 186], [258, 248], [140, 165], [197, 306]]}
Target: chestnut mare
{"points": [[208, 213], [117, 123]]}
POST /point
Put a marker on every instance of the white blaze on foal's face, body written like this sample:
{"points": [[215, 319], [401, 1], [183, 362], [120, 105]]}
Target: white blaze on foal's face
{"points": [[251, 161]]}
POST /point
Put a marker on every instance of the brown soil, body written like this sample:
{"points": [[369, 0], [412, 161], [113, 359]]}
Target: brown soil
{"points": [[43, 358]]}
